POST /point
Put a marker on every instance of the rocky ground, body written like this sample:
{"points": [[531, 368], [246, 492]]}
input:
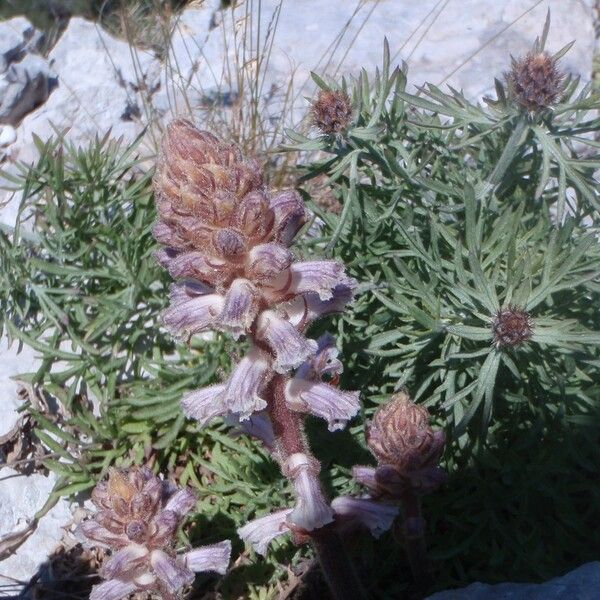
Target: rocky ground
{"points": [[89, 82]]}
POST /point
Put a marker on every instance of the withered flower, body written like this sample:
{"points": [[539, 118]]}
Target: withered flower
{"points": [[534, 81], [332, 111], [138, 517], [511, 327]]}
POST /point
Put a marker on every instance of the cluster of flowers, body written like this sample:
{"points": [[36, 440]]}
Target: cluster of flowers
{"points": [[407, 450], [227, 243], [137, 519]]}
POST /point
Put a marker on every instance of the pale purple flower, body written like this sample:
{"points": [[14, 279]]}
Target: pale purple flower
{"points": [[321, 277], [324, 362], [378, 517], [311, 511], [209, 558], [243, 389], [257, 425], [194, 265], [240, 308], [305, 392], [143, 513], [323, 400], [192, 309], [290, 215], [204, 404], [260, 532], [113, 590], [239, 395], [290, 347], [267, 261]]}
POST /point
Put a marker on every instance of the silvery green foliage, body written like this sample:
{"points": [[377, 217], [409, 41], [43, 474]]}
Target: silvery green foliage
{"points": [[451, 215]]}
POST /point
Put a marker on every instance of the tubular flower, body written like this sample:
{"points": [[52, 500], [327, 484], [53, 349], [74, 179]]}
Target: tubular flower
{"points": [[138, 517], [226, 240]]}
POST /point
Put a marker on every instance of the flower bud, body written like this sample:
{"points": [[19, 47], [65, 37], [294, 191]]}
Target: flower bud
{"points": [[332, 111], [534, 81], [400, 435], [511, 327]]}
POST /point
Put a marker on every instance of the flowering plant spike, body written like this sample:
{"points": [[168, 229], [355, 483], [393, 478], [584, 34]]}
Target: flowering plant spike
{"points": [[226, 241], [138, 517], [408, 451]]}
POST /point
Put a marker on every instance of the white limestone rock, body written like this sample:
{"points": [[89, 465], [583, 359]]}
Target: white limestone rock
{"points": [[23, 86], [101, 83], [20, 498], [17, 36], [15, 360], [8, 135]]}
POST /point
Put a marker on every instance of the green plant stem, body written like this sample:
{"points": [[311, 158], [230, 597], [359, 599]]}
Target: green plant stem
{"points": [[335, 562], [509, 153]]}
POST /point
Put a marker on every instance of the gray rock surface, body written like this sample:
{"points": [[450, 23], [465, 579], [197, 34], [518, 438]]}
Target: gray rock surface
{"points": [[23, 86], [581, 584]]}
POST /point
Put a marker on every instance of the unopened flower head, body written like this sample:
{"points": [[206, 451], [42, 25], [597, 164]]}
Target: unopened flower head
{"points": [[138, 517], [511, 326], [406, 447], [534, 81], [332, 111], [400, 435]]}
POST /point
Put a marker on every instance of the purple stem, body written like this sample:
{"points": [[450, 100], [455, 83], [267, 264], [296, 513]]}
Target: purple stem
{"points": [[335, 563]]}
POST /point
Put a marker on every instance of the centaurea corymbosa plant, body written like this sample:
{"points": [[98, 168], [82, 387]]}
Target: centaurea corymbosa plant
{"points": [[226, 240], [138, 517]]}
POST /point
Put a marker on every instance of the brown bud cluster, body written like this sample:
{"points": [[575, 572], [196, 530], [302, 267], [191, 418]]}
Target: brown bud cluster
{"points": [[213, 208], [511, 327], [534, 81], [400, 435], [332, 111]]}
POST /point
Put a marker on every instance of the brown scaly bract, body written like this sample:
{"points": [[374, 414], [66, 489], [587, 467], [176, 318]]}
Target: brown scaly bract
{"points": [[332, 111], [534, 81], [511, 327]]}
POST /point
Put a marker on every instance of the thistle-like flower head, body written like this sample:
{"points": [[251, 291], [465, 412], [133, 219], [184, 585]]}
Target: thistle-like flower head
{"points": [[138, 517], [332, 111], [534, 81], [511, 327]]}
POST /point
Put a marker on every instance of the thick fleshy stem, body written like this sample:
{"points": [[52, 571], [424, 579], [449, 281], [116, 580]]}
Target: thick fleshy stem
{"points": [[413, 532], [289, 438]]}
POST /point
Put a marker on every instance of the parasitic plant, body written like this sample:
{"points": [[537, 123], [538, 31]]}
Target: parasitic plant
{"points": [[408, 451], [138, 517], [226, 240]]}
